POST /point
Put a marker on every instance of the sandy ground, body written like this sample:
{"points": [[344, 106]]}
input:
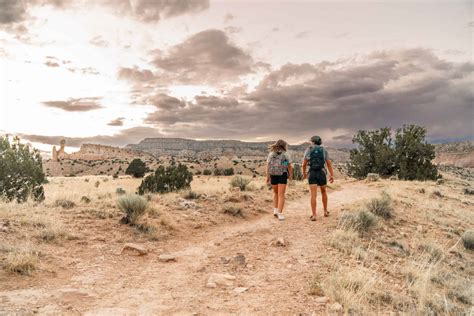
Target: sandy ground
{"points": [[104, 282], [90, 275]]}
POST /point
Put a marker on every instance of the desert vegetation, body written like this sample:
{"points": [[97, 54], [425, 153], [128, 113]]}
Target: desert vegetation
{"points": [[408, 156]]}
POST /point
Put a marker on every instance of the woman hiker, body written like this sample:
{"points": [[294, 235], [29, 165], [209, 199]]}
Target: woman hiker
{"points": [[279, 171]]}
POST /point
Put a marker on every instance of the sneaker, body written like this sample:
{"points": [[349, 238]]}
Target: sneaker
{"points": [[275, 212], [281, 217]]}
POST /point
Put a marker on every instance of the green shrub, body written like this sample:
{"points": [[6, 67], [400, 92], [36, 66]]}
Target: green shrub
{"points": [[169, 179], [137, 168], [468, 239], [120, 191], [228, 172], [133, 206], [190, 195], [240, 182], [408, 157], [297, 172], [361, 221], [207, 172], [66, 204], [218, 172], [381, 206], [21, 171]]}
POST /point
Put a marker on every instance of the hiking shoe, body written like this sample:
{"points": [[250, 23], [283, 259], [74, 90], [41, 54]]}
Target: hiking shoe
{"points": [[275, 212], [312, 218], [281, 217]]}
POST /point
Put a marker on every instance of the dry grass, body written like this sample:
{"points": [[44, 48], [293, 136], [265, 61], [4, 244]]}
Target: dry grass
{"points": [[22, 261], [133, 206], [468, 239], [351, 287], [381, 206], [361, 221], [343, 240]]}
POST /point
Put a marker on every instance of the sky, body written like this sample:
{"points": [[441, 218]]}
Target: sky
{"points": [[117, 71]]}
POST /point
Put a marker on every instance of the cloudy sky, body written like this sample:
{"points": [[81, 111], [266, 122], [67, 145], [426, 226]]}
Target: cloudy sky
{"points": [[117, 71]]}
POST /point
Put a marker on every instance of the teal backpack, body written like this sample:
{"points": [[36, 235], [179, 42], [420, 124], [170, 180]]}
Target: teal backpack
{"points": [[316, 158]]}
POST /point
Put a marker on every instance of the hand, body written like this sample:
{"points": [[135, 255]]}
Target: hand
{"points": [[305, 176], [268, 179], [290, 178], [331, 179]]}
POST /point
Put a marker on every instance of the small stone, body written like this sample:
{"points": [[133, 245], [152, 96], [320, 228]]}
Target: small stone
{"points": [[225, 260], [239, 260], [280, 242], [419, 228], [166, 258], [439, 181], [239, 290], [220, 279], [336, 307], [322, 300], [141, 250]]}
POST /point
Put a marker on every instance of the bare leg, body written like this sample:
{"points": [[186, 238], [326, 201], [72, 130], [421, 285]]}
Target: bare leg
{"points": [[275, 196], [325, 199], [314, 192], [281, 197]]}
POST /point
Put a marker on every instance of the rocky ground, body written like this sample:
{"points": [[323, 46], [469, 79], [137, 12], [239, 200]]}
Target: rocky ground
{"points": [[224, 252]]}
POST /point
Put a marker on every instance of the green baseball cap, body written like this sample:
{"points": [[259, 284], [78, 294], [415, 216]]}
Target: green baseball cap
{"points": [[315, 139]]}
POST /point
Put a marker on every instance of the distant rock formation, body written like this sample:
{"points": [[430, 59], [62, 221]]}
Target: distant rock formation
{"points": [[93, 152], [61, 153], [181, 147], [458, 154]]}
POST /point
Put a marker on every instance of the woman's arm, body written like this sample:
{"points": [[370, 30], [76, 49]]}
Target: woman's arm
{"points": [[290, 171], [268, 173]]}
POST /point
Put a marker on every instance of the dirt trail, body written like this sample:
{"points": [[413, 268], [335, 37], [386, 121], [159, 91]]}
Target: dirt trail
{"points": [[275, 277]]}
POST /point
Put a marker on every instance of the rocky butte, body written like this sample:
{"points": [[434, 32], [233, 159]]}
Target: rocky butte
{"points": [[201, 148]]}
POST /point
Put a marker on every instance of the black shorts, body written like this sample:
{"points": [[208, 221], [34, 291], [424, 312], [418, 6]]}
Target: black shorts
{"points": [[317, 177], [283, 179]]}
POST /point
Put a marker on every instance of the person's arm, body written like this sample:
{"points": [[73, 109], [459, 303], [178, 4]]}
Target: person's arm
{"points": [[268, 172], [331, 171], [290, 171], [305, 163]]}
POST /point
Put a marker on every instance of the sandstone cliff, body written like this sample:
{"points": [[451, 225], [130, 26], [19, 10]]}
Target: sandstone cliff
{"points": [[204, 148]]}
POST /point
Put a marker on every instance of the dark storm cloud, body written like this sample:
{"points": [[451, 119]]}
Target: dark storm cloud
{"points": [[12, 11], [388, 88], [206, 57], [75, 105], [126, 136], [117, 122], [153, 11]]}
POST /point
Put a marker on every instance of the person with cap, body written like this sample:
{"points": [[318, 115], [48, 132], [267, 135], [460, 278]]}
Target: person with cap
{"points": [[316, 157]]}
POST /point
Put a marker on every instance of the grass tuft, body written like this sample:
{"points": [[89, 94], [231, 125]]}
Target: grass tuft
{"points": [[133, 206], [468, 239], [240, 182], [381, 206], [23, 262], [361, 221]]}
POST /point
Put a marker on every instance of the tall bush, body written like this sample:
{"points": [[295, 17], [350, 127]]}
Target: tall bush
{"points": [[169, 179], [21, 171], [137, 168], [409, 156]]}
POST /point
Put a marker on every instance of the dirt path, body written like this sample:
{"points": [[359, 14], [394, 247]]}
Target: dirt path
{"points": [[275, 278]]}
